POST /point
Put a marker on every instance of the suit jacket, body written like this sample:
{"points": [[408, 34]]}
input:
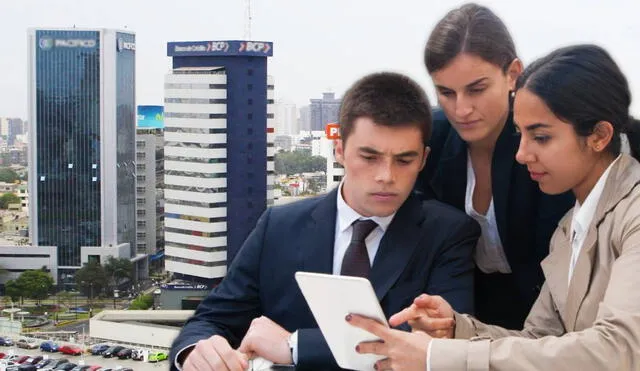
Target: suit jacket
{"points": [[593, 324], [525, 216], [428, 247]]}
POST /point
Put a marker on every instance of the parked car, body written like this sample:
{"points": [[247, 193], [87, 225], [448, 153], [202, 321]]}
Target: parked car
{"points": [[94, 368], [98, 349], [26, 367], [70, 349], [66, 366], [43, 363], [125, 353], [55, 363], [21, 359], [27, 344], [49, 346], [32, 360], [137, 355], [7, 342], [113, 351], [157, 356], [80, 368]]}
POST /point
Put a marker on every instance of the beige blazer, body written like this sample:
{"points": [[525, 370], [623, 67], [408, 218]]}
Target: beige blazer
{"points": [[592, 325]]}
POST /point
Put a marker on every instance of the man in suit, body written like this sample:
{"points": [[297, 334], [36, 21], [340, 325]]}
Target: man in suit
{"points": [[371, 226]]}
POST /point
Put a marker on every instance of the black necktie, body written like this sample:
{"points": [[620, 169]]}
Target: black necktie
{"points": [[356, 259]]}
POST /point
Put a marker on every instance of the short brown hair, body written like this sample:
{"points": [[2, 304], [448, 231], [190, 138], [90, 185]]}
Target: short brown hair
{"points": [[389, 99], [472, 29]]}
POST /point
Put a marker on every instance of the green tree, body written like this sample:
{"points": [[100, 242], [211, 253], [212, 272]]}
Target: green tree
{"points": [[34, 284], [142, 302], [118, 270], [67, 298], [7, 175], [91, 279], [12, 290], [8, 198], [297, 162]]}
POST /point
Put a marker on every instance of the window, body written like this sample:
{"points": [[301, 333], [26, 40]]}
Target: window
{"points": [[250, 101], [249, 131], [250, 72], [250, 87], [249, 116]]}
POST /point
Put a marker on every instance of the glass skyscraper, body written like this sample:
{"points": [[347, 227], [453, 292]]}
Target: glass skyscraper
{"points": [[82, 150]]}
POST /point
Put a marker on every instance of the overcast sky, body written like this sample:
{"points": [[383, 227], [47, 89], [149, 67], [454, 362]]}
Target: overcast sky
{"points": [[318, 45]]}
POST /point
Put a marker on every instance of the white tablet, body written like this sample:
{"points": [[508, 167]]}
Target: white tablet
{"points": [[330, 299]]}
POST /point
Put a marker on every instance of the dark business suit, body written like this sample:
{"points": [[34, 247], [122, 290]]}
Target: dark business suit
{"points": [[526, 218], [428, 247]]}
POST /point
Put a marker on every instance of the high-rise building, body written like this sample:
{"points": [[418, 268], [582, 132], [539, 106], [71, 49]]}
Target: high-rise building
{"points": [[304, 120], [149, 183], [218, 152], [82, 146], [286, 118], [324, 111]]}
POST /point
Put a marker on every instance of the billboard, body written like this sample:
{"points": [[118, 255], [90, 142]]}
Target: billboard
{"points": [[151, 117], [228, 48]]}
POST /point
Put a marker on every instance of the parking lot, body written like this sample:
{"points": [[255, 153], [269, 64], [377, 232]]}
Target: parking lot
{"points": [[88, 359]]}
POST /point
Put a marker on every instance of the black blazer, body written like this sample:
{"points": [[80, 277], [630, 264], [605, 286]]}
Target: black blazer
{"points": [[526, 216], [428, 247]]}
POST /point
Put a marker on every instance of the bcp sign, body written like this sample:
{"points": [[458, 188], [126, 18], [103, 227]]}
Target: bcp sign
{"points": [[333, 131]]}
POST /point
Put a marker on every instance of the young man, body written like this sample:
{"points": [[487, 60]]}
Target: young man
{"points": [[371, 226]]}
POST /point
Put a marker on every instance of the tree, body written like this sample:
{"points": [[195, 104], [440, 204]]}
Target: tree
{"points": [[33, 284], [12, 290], [91, 279], [118, 270], [8, 198], [297, 162], [7, 175], [142, 302]]}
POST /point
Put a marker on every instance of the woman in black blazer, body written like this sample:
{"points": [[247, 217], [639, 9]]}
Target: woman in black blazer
{"points": [[471, 59]]}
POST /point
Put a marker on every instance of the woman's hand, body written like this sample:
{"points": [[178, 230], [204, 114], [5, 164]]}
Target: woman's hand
{"points": [[430, 314], [404, 351]]}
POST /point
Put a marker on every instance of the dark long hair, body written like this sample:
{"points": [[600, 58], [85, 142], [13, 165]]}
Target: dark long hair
{"points": [[583, 85], [472, 29]]}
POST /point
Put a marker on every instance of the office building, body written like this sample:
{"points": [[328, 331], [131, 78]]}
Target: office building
{"points": [[323, 111]]}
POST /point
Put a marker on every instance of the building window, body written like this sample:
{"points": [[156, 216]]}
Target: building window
{"points": [[250, 205], [249, 175], [250, 72], [250, 101], [250, 87], [249, 160], [249, 116], [250, 190], [249, 131], [93, 259], [249, 145]]}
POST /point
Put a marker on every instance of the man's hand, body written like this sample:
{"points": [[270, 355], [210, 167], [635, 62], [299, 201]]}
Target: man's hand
{"points": [[268, 340], [215, 354], [430, 314]]}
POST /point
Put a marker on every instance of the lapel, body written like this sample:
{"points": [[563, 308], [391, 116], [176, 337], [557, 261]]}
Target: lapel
{"points": [[397, 246], [581, 276], [555, 267], [449, 182], [622, 179], [319, 236], [502, 164]]}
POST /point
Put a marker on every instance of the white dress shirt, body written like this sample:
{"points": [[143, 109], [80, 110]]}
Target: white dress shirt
{"points": [[582, 217], [490, 256]]}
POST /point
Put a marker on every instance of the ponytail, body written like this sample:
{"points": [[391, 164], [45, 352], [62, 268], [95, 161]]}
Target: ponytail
{"points": [[633, 135]]}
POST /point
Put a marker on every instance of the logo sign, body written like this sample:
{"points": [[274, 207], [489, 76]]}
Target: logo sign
{"points": [[125, 45], [45, 43], [184, 286], [218, 46], [254, 47], [333, 131], [74, 43]]}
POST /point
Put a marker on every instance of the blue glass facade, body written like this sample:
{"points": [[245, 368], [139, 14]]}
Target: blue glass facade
{"points": [[246, 139], [67, 78], [126, 125]]}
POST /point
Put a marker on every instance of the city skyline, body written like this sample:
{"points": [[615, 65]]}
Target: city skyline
{"points": [[318, 47]]}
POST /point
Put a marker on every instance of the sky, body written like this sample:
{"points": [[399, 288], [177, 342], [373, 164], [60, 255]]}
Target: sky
{"points": [[318, 45]]}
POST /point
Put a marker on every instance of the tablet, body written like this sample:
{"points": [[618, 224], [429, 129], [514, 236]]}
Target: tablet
{"points": [[330, 299]]}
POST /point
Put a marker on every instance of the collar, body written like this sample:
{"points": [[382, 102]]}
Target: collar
{"points": [[583, 214], [346, 214]]}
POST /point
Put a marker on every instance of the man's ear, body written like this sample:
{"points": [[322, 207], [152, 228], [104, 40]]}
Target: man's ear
{"points": [[339, 151]]}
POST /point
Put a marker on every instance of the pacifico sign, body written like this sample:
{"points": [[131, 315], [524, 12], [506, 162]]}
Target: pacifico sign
{"points": [[47, 43]]}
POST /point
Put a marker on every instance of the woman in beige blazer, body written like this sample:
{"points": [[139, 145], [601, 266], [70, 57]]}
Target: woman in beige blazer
{"points": [[570, 108]]}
